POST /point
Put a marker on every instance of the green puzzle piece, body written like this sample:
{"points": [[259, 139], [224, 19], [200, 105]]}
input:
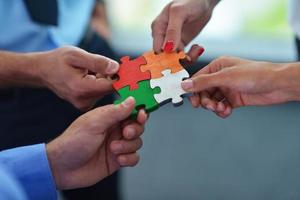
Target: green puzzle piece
{"points": [[144, 97]]}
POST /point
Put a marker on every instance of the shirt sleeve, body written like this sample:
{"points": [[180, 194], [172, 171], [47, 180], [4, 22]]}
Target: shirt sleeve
{"points": [[30, 166], [9, 186]]}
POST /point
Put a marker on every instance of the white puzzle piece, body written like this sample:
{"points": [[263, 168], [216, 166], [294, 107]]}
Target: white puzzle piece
{"points": [[170, 86]]}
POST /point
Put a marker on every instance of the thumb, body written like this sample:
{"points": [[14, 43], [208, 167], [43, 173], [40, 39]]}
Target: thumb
{"points": [[174, 28], [103, 65], [203, 82], [108, 116], [94, 62]]}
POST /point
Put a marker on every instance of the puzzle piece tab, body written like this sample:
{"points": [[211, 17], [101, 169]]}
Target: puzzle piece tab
{"points": [[170, 86], [172, 60], [156, 63], [144, 97], [130, 74]]}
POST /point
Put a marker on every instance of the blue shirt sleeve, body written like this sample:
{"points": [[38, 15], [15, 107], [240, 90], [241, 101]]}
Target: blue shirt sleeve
{"points": [[9, 186], [29, 165]]}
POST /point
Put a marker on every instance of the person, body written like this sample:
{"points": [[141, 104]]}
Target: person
{"points": [[227, 82], [93, 147], [37, 115]]}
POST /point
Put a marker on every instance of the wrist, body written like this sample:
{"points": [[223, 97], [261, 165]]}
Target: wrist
{"points": [[51, 154], [40, 63], [19, 70], [287, 78]]}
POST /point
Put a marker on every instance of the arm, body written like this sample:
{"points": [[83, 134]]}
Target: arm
{"points": [[180, 22], [29, 166], [71, 73], [94, 146], [19, 70], [228, 83], [9, 187]]}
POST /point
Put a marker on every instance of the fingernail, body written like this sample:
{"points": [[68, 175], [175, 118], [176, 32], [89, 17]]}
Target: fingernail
{"points": [[128, 102], [130, 132], [220, 107], [211, 108], [201, 50], [169, 46], [112, 67], [187, 84], [117, 147]]}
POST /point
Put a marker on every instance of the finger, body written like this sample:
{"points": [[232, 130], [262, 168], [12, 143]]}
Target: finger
{"points": [[95, 87], [127, 160], [159, 27], [132, 131], [220, 63], [227, 111], [207, 102], [195, 100], [107, 116], [194, 52], [158, 34], [204, 82], [93, 62], [218, 95], [142, 116], [174, 28], [181, 46], [103, 65], [126, 146], [220, 108]]}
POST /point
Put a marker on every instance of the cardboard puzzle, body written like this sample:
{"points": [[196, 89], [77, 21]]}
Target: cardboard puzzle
{"points": [[152, 79]]}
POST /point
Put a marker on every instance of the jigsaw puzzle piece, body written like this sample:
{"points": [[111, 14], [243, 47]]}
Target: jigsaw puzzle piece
{"points": [[130, 74], [172, 60], [144, 97], [153, 65], [156, 63], [170, 86]]}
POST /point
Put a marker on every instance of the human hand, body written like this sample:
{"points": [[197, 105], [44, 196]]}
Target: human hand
{"points": [[76, 75], [96, 145], [229, 82], [179, 23]]}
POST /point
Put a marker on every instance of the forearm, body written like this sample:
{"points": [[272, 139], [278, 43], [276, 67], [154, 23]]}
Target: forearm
{"points": [[19, 70], [287, 79]]}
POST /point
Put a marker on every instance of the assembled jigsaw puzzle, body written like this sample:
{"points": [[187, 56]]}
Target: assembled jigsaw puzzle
{"points": [[152, 79]]}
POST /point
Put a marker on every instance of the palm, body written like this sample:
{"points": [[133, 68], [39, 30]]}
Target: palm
{"points": [[102, 164]]}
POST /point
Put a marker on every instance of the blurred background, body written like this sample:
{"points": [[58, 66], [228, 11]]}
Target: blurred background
{"points": [[192, 154]]}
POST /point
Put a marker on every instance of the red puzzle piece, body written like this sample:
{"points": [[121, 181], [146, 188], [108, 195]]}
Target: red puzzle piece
{"points": [[130, 74]]}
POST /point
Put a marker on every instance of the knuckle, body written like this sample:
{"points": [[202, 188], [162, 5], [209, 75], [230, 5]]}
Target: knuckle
{"points": [[176, 8], [171, 31], [69, 50], [154, 25], [223, 59]]}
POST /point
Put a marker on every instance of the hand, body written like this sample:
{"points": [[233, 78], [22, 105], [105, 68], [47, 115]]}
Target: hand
{"points": [[96, 145], [76, 75], [179, 23], [228, 83]]}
